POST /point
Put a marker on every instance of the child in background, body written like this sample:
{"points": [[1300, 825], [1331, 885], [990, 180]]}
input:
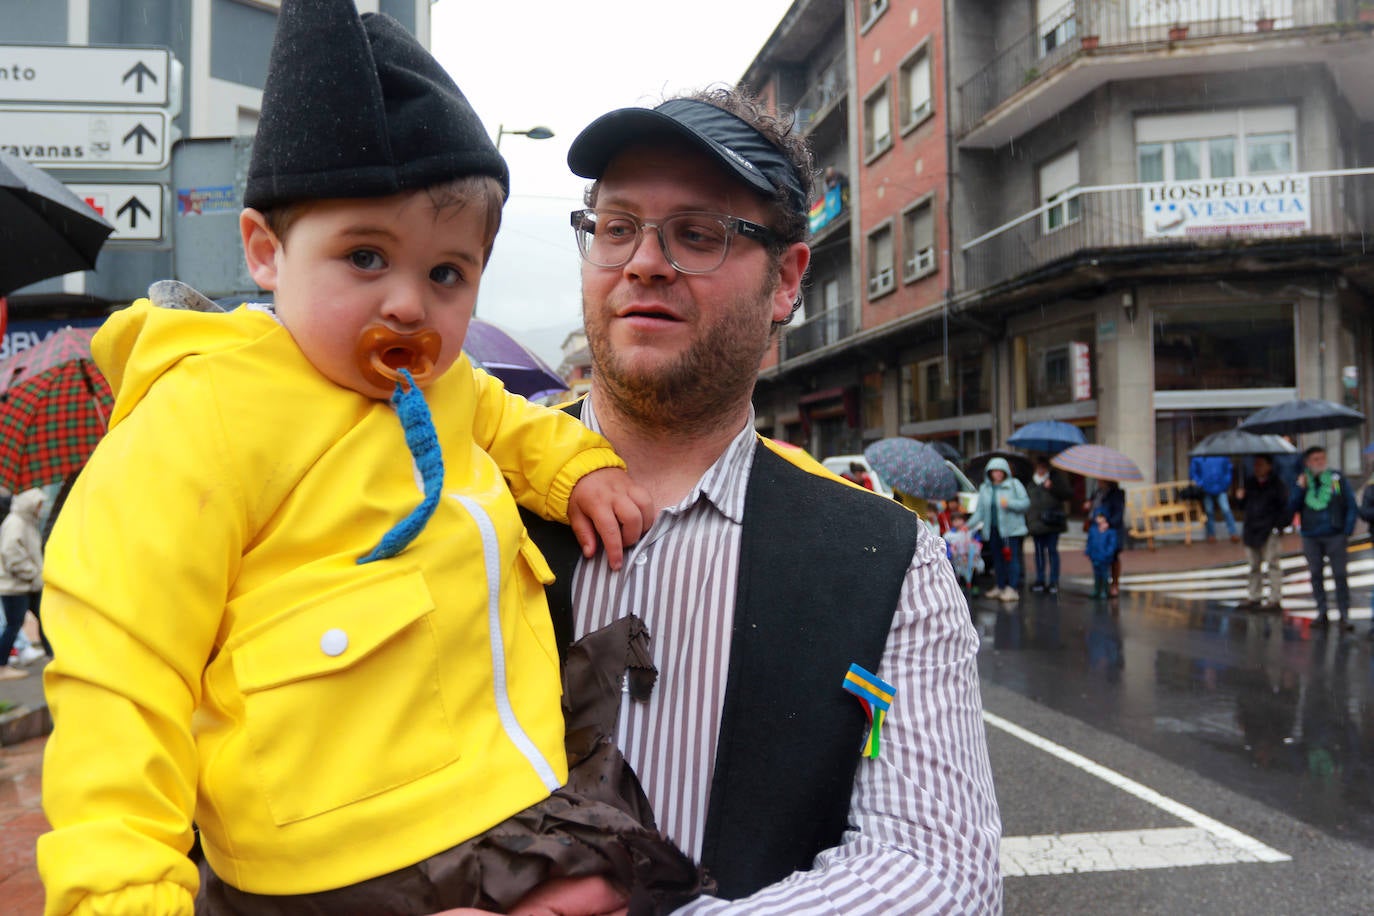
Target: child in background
{"points": [[1101, 550], [965, 550], [261, 634]]}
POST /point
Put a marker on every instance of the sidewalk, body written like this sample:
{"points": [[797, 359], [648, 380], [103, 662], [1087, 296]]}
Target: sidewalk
{"points": [[21, 821]]}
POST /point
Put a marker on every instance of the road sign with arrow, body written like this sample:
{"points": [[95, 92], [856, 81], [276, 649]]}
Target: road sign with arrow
{"points": [[134, 209], [86, 75], [86, 138]]}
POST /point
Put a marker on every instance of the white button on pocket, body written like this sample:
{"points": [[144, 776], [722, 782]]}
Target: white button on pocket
{"points": [[334, 642]]}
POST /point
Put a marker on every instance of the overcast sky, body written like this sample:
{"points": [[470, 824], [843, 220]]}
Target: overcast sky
{"points": [[560, 64]]}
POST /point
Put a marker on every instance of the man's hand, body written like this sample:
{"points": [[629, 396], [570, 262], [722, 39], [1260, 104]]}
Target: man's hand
{"points": [[609, 506], [593, 896], [1240, 493], [1302, 481]]}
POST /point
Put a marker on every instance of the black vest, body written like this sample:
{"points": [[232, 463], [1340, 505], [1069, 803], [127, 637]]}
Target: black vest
{"points": [[821, 570]]}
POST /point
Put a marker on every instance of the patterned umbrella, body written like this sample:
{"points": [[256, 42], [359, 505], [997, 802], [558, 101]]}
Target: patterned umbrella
{"points": [[1048, 436], [1305, 415], [912, 467], [1097, 461], [50, 423], [512, 362], [60, 347]]}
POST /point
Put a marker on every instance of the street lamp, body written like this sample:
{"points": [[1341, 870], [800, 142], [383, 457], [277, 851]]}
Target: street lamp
{"points": [[534, 133]]}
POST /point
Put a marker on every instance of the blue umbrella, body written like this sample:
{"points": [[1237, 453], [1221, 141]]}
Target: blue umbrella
{"points": [[912, 467], [1048, 436]]}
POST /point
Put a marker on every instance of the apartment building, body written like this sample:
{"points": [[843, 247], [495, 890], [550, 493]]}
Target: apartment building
{"points": [[1160, 215], [187, 215]]}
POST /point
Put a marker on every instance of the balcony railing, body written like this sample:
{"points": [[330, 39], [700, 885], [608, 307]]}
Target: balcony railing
{"points": [[828, 327], [831, 84], [1102, 24], [1330, 203]]}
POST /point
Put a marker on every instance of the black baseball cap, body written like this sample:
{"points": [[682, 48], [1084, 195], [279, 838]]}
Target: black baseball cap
{"points": [[729, 140]]}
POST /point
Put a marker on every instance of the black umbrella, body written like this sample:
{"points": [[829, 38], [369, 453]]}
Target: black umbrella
{"points": [[946, 450], [1021, 467], [1239, 442], [45, 229], [1308, 415]]}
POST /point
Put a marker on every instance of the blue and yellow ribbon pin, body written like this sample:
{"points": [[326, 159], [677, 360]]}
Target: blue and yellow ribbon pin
{"points": [[875, 695]]}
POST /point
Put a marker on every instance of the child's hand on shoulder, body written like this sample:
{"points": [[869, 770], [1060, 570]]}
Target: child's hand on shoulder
{"points": [[607, 505]]}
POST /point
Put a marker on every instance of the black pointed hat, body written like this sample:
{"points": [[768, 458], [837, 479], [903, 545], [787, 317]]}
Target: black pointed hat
{"points": [[356, 107]]}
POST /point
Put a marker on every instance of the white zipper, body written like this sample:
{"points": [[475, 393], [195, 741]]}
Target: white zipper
{"points": [[491, 556]]}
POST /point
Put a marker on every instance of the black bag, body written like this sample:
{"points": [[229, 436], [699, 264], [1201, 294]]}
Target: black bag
{"points": [[1054, 519], [1191, 493]]}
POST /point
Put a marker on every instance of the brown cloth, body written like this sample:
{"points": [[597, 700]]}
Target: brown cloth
{"points": [[600, 823]]}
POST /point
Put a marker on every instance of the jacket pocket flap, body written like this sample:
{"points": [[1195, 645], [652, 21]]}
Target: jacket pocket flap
{"points": [[537, 564], [333, 631]]}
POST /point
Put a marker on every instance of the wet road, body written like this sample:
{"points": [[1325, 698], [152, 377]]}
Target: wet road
{"points": [[1263, 722]]}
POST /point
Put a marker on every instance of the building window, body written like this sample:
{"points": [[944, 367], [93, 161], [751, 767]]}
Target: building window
{"points": [[873, 400], [1211, 347], [877, 122], [1059, 192], [870, 10], [1055, 366], [937, 389], [881, 277], [914, 88], [1057, 24], [918, 240], [1224, 144]]}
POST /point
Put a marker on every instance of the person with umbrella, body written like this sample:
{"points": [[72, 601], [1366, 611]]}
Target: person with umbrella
{"points": [[1212, 475], [1325, 501], [1001, 513], [1264, 497], [1109, 501], [1045, 521]]}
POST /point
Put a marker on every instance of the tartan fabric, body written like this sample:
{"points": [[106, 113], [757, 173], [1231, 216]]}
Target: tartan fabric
{"points": [[59, 347], [50, 423]]}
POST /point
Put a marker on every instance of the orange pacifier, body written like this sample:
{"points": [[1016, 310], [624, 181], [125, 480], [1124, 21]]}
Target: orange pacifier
{"points": [[382, 353]]}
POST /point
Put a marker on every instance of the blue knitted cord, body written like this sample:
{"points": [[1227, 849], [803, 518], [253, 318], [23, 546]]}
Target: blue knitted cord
{"points": [[423, 443]]}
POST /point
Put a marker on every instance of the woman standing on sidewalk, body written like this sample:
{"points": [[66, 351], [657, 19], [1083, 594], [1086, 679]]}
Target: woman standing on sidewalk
{"points": [[1045, 521], [1002, 505]]}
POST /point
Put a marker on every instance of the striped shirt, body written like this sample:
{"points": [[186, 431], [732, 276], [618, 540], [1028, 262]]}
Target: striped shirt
{"points": [[924, 823]]}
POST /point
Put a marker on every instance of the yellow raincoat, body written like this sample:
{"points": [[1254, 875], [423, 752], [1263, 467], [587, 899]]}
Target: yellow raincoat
{"points": [[221, 655]]}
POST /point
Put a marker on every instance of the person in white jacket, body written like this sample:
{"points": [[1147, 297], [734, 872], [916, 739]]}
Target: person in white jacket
{"points": [[21, 573]]}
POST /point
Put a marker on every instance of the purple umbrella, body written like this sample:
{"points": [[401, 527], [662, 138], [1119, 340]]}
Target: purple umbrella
{"points": [[521, 371]]}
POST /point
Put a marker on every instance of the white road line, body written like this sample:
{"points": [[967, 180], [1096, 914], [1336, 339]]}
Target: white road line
{"points": [[1254, 850], [1118, 850]]}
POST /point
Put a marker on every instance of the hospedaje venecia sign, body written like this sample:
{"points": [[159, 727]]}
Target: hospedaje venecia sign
{"points": [[1228, 206]]}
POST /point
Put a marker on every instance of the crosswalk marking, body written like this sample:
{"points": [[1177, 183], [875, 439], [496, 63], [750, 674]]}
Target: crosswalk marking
{"points": [[1206, 842], [1229, 584]]}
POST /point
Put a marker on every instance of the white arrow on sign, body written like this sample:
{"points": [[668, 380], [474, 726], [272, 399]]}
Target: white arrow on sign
{"points": [[86, 138], [81, 76], [135, 210]]}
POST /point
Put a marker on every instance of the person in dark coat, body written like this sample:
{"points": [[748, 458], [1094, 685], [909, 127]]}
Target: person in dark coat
{"points": [[1046, 520], [1367, 513], [1265, 501], [1110, 500], [1326, 502]]}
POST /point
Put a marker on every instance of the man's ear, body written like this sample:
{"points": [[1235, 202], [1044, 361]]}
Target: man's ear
{"points": [[260, 248], [791, 268]]}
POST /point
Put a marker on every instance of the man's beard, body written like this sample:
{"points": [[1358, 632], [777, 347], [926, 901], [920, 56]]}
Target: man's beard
{"points": [[700, 387]]}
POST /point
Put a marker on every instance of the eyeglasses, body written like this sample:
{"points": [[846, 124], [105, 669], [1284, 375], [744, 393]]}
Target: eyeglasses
{"points": [[693, 242]]}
